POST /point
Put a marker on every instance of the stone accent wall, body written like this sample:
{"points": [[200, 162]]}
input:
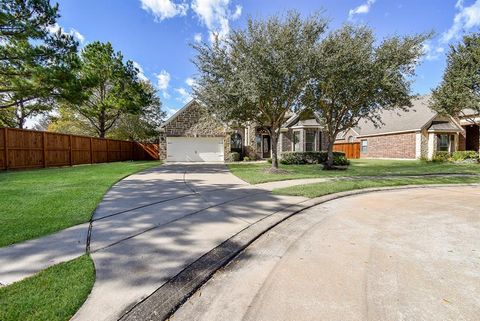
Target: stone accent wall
{"points": [[390, 146], [287, 141], [194, 121]]}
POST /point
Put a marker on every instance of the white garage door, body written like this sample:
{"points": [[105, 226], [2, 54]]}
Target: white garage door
{"points": [[194, 149]]}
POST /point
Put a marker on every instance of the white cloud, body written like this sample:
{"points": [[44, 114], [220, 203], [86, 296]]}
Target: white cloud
{"points": [[361, 9], [432, 52], [215, 15], [197, 37], [163, 81], [73, 32], [184, 96], [141, 73], [163, 9], [465, 19], [190, 81], [170, 111]]}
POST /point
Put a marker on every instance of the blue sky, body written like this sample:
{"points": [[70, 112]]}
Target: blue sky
{"points": [[156, 33]]}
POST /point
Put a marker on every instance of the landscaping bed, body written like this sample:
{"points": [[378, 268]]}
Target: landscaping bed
{"points": [[39, 202]]}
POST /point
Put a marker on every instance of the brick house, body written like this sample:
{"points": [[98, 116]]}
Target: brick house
{"points": [[416, 133], [192, 134]]}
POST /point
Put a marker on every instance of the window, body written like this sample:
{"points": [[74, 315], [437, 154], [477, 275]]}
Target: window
{"points": [[350, 139], [443, 143], [310, 141], [296, 141], [364, 145], [258, 143], [236, 142]]}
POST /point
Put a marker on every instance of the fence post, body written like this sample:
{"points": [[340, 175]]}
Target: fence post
{"points": [[6, 147], [44, 149], [71, 149], [91, 151], [107, 148]]}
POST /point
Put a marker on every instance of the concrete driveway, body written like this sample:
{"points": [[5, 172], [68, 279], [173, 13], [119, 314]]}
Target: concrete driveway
{"points": [[396, 255], [152, 225]]}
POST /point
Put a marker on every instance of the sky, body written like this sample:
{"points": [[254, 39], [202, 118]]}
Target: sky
{"points": [[157, 34]]}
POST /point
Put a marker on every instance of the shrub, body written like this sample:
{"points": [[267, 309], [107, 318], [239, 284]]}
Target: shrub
{"points": [[463, 155], [300, 158], [234, 157], [269, 160], [246, 159], [341, 161], [441, 157]]}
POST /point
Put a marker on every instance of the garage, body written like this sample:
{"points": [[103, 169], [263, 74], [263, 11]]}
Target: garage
{"points": [[194, 149]]}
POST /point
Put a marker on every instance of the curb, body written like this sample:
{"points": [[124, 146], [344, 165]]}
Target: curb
{"points": [[162, 303]]}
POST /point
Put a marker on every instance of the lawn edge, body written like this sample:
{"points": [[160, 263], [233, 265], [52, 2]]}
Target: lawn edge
{"points": [[169, 297]]}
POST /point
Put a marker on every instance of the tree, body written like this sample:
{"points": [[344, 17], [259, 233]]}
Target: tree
{"points": [[35, 65], [145, 126], [257, 74], [110, 88], [460, 86], [352, 78]]}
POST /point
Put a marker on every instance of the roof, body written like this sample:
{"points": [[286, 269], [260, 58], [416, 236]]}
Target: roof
{"points": [[413, 119], [443, 126]]}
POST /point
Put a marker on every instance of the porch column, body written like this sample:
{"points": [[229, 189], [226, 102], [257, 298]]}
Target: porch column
{"points": [[418, 145], [431, 146]]}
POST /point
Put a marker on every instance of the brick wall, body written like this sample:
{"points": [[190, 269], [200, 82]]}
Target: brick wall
{"points": [[390, 146]]}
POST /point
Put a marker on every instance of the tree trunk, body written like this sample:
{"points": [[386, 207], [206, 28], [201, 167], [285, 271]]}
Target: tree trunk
{"points": [[274, 135], [329, 163], [101, 124]]}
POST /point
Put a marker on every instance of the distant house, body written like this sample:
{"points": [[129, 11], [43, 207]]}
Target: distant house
{"points": [[416, 133]]}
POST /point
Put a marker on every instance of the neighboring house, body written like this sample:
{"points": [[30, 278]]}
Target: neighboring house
{"points": [[416, 133], [192, 134], [470, 123]]}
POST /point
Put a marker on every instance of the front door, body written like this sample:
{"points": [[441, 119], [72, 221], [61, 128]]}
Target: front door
{"points": [[266, 146], [472, 137]]}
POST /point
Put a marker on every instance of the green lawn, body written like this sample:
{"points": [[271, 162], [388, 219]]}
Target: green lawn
{"points": [[335, 186], [54, 294], [39, 202], [254, 172]]}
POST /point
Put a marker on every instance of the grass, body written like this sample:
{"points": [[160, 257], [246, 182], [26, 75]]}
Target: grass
{"points": [[39, 202], [254, 173], [335, 186], [52, 295]]}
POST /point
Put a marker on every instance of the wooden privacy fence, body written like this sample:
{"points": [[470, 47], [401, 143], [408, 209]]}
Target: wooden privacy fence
{"points": [[20, 149], [351, 150]]}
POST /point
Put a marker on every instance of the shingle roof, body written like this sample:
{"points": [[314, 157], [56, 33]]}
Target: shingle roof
{"points": [[414, 119], [443, 126]]}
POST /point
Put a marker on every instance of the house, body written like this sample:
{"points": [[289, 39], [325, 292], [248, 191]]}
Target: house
{"points": [[470, 139], [193, 134], [418, 132]]}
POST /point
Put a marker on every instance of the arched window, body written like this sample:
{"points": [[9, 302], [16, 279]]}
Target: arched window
{"points": [[350, 139], [236, 143]]}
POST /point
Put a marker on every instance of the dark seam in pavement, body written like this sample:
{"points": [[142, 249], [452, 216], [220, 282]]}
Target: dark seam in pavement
{"points": [[90, 222], [228, 259], [177, 219], [231, 256], [142, 206], [191, 187]]}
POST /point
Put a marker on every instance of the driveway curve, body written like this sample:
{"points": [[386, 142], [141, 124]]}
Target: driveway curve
{"points": [[392, 255], [152, 225]]}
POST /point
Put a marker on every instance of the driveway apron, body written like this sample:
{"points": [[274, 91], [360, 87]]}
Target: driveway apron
{"points": [[151, 225]]}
